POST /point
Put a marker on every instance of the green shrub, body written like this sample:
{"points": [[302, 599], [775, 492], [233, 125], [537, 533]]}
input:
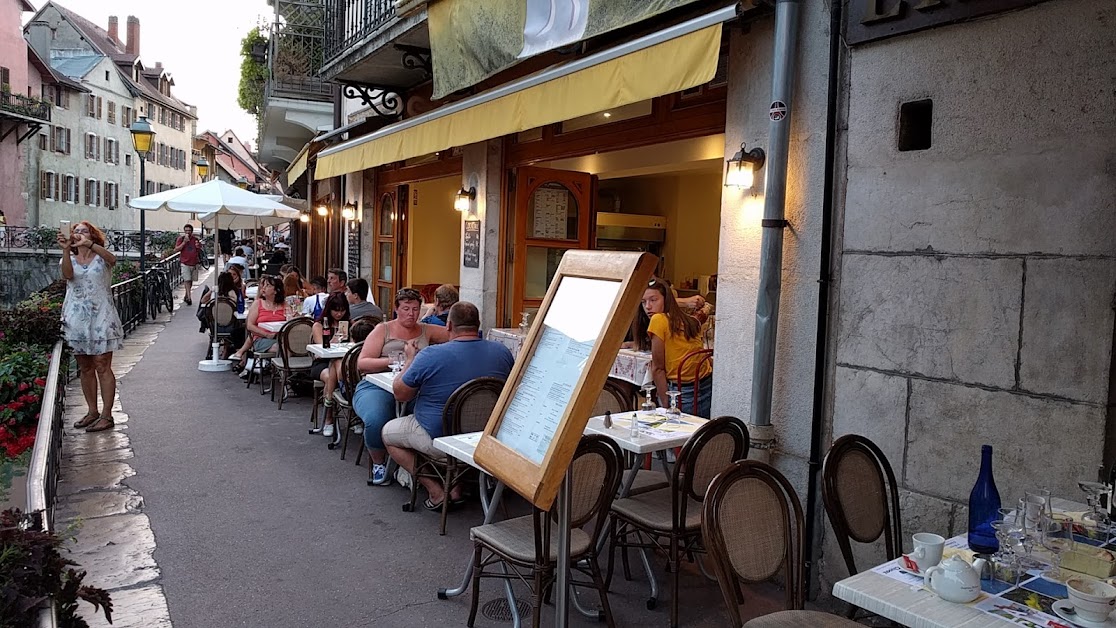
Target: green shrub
{"points": [[33, 571]]}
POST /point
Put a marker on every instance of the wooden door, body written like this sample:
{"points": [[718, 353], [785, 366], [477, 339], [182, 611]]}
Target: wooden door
{"points": [[552, 215], [389, 247]]}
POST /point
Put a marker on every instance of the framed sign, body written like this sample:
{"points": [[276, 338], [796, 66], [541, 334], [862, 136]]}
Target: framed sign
{"points": [[533, 432], [470, 250]]}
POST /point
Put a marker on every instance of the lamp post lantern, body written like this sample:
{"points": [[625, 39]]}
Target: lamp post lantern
{"points": [[203, 168], [142, 136], [242, 183]]}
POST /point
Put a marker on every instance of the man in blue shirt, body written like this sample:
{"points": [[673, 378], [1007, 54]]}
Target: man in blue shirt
{"points": [[429, 378]]}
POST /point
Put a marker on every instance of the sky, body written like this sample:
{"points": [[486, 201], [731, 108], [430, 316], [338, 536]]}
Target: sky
{"points": [[198, 42]]}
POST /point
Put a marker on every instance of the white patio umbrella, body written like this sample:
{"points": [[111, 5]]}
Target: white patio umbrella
{"points": [[217, 202]]}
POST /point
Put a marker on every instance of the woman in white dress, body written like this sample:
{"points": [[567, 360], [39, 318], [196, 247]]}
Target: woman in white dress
{"points": [[90, 323]]}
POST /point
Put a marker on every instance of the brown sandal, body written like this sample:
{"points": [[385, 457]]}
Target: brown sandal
{"points": [[102, 424], [86, 420]]}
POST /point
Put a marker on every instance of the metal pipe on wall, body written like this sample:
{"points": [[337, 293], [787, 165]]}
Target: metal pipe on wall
{"points": [[774, 221]]}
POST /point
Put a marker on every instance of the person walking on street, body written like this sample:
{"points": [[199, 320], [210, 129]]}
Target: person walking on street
{"points": [[190, 248], [90, 323]]}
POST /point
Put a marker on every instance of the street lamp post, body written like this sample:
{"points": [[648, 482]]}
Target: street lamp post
{"points": [[203, 168], [142, 136]]}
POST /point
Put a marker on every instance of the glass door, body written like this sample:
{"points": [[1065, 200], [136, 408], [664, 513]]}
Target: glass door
{"points": [[389, 252], [552, 216]]}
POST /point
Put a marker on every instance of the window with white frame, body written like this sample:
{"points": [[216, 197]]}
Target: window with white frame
{"points": [[110, 195], [69, 189], [92, 192], [48, 186], [92, 147]]}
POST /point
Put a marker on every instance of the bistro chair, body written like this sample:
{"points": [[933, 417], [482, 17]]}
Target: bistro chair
{"points": [[753, 528], [861, 498], [467, 410], [669, 520], [375, 320], [527, 547], [292, 356], [343, 400], [699, 357], [221, 312]]}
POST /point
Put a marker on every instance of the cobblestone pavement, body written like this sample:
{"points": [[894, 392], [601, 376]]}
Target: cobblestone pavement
{"points": [[209, 507]]}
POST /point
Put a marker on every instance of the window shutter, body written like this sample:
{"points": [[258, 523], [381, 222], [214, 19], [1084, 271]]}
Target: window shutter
{"points": [[98, 194], [53, 139], [115, 195], [56, 186], [42, 185], [65, 98], [97, 144], [67, 141], [116, 148], [99, 103], [108, 151]]}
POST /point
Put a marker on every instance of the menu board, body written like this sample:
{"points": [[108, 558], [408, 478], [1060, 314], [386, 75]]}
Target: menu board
{"points": [[559, 373], [551, 211], [470, 252], [569, 332]]}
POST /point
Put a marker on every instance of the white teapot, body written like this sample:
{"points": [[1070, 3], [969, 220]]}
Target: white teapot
{"points": [[955, 580]]}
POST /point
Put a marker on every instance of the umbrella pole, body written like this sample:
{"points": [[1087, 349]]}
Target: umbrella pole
{"points": [[214, 364]]}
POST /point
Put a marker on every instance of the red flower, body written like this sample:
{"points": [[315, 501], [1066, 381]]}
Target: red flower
{"points": [[40, 381], [24, 386]]}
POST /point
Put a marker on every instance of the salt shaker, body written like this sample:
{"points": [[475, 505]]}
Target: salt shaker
{"points": [[635, 426], [608, 419]]}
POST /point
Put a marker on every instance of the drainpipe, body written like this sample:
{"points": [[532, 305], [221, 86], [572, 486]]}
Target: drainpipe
{"points": [[825, 278], [774, 221]]}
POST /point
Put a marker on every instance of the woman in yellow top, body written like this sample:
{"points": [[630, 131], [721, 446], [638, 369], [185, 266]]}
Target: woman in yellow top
{"points": [[673, 334]]}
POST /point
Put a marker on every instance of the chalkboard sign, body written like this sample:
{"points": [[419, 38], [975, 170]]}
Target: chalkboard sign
{"points": [[352, 261], [538, 421], [470, 252]]}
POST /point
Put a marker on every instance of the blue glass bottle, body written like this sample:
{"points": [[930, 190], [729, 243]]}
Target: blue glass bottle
{"points": [[984, 502]]}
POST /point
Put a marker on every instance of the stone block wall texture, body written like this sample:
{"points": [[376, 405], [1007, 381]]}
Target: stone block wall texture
{"points": [[24, 273], [977, 278]]}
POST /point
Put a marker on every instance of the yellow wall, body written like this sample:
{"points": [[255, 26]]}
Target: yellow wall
{"points": [[691, 203], [434, 255]]}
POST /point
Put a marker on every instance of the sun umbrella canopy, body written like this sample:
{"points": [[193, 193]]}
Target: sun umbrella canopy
{"points": [[240, 221], [214, 196]]}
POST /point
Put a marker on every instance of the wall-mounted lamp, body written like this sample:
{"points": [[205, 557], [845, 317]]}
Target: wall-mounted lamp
{"points": [[463, 201], [242, 183], [203, 167], [304, 217], [348, 212], [323, 210], [740, 171]]}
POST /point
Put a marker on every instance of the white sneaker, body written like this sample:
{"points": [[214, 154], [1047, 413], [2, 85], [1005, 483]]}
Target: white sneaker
{"points": [[327, 430], [358, 429]]}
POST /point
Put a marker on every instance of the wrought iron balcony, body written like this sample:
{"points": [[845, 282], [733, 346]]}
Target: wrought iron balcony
{"points": [[301, 88], [25, 106], [349, 22]]}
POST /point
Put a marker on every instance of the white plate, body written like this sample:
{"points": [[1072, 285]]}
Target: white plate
{"points": [[1064, 608], [917, 574]]}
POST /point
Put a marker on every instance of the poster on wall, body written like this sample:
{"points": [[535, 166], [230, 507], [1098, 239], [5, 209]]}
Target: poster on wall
{"points": [[552, 206], [470, 251]]}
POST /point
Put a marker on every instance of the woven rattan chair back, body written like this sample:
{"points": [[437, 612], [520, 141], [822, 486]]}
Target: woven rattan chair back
{"points": [[713, 447], [294, 335], [470, 406], [752, 525], [612, 399], [375, 320], [350, 375], [861, 497], [224, 311], [596, 471]]}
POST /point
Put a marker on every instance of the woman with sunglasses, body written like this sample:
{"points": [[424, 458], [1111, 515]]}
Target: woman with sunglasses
{"points": [[374, 405], [90, 323], [335, 310], [673, 334]]}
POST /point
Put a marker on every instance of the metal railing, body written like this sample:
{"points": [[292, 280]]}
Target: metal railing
{"points": [[130, 296], [25, 106], [301, 88], [46, 456], [349, 22], [42, 238]]}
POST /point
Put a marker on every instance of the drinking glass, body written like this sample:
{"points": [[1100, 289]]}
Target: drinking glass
{"points": [[1057, 538], [1093, 492], [524, 322], [1038, 505], [673, 394], [648, 404], [396, 362]]}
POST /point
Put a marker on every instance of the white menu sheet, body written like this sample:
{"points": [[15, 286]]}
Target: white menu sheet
{"points": [[551, 211], [570, 330]]}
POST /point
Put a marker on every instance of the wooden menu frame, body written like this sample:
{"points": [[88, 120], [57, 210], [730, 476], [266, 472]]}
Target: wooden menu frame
{"points": [[538, 480]]}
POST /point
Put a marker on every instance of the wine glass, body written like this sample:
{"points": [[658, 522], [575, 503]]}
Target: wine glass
{"points": [[396, 362], [673, 394], [648, 404], [1057, 538], [524, 322], [1093, 492]]}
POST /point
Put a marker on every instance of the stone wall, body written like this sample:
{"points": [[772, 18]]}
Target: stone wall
{"points": [[976, 277], [22, 273]]}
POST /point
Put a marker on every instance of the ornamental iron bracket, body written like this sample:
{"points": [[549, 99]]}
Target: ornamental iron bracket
{"points": [[384, 101], [416, 58]]}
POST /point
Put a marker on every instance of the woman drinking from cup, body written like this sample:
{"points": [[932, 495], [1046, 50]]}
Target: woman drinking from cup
{"points": [[91, 325], [335, 310], [374, 405], [673, 335]]}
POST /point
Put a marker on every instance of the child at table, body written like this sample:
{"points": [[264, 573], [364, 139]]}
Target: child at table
{"points": [[335, 310]]}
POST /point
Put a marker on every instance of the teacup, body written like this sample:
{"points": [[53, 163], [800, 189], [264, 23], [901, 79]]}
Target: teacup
{"points": [[927, 552], [1093, 600]]}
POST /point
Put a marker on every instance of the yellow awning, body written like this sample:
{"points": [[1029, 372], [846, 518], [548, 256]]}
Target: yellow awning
{"points": [[664, 68], [298, 166]]}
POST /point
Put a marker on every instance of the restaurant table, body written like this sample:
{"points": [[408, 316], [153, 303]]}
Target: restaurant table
{"points": [[630, 365], [251, 292], [649, 440], [335, 351], [274, 326], [385, 380], [902, 601]]}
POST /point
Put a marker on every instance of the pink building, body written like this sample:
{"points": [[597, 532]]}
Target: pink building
{"points": [[22, 113]]}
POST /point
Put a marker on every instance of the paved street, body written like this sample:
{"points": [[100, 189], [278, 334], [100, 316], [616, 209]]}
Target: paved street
{"points": [[258, 524]]}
